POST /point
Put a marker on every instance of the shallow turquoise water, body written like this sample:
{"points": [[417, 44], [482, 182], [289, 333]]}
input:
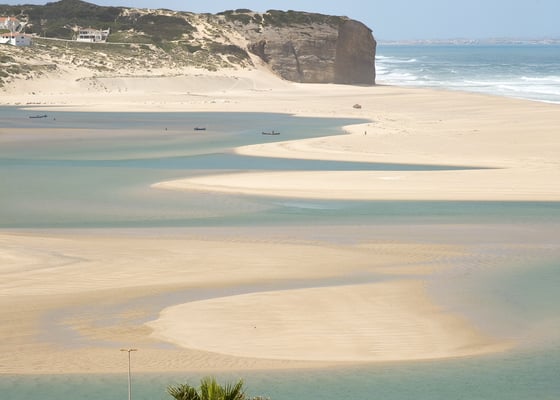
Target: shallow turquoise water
{"points": [[98, 175], [94, 176], [518, 377]]}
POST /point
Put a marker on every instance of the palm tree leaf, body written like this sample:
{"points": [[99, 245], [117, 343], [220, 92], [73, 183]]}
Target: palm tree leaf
{"points": [[234, 391], [210, 389], [183, 392]]}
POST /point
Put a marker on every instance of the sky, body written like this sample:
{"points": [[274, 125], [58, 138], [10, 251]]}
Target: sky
{"points": [[397, 19]]}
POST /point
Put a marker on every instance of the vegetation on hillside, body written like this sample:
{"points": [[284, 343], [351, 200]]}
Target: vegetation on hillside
{"points": [[10, 67], [242, 16], [56, 19], [140, 41], [47, 55], [289, 18], [277, 18]]}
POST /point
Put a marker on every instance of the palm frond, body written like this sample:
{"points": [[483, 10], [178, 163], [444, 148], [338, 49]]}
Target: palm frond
{"points": [[183, 392], [210, 389], [234, 391]]}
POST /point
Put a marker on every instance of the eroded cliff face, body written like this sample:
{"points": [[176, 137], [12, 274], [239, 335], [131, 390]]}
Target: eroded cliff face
{"points": [[313, 49], [298, 53], [355, 54]]}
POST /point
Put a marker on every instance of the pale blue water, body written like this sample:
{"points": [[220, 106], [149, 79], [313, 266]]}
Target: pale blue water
{"points": [[483, 378], [95, 176], [526, 71], [99, 178]]}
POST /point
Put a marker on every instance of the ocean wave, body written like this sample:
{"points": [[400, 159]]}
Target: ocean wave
{"points": [[542, 79], [394, 60], [471, 69], [396, 77], [516, 89]]}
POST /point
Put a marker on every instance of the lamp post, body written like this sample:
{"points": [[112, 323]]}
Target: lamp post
{"points": [[129, 385]]}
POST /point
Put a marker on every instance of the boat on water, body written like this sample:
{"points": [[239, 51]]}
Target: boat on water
{"points": [[38, 116], [198, 128], [273, 132]]}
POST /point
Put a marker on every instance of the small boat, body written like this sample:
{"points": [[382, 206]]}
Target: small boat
{"points": [[198, 128], [38, 116], [271, 133]]}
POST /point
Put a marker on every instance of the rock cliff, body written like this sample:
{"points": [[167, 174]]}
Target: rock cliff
{"points": [[312, 48], [355, 54]]}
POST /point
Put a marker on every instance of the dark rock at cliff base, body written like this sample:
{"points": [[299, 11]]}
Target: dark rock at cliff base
{"points": [[355, 54]]}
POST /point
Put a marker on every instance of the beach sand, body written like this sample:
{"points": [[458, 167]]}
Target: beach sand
{"points": [[72, 301], [510, 147]]}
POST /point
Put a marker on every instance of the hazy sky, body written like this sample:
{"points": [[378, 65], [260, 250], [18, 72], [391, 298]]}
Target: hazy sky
{"points": [[398, 19]]}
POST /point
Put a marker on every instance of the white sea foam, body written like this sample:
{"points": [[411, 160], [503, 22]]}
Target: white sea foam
{"points": [[529, 72]]}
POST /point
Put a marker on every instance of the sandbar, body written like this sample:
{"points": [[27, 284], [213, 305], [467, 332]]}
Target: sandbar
{"points": [[74, 299]]}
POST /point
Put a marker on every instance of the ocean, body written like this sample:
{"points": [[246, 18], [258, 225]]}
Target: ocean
{"points": [[507, 285], [525, 71]]}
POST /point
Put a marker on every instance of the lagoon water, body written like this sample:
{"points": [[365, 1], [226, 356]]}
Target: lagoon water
{"points": [[97, 175]]}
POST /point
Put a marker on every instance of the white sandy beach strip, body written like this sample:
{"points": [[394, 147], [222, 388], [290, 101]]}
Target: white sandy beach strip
{"points": [[492, 185]]}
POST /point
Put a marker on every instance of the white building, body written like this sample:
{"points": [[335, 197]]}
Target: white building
{"points": [[92, 35], [10, 23], [14, 35], [15, 39]]}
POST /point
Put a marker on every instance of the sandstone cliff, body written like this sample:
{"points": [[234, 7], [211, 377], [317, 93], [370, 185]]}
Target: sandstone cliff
{"points": [[311, 48], [355, 54]]}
